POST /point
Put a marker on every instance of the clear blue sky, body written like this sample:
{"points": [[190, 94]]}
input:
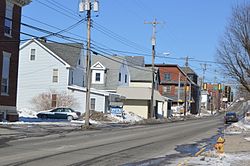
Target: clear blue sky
{"points": [[190, 27]]}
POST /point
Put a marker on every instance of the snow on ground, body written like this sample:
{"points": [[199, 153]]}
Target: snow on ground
{"points": [[27, 113], [58, 122], [247, 138], [204, 112], [27, 116], [211, 158], [128, 117], [239, 127]]}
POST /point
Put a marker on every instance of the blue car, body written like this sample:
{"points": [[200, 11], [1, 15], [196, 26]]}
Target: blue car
{"points": [[230, 117]]}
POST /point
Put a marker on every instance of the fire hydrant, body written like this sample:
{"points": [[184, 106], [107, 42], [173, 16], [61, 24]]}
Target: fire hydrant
{"points": [[219, 146]]}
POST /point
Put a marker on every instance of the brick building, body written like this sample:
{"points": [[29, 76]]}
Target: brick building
{"points": [[172, 84], [10, 19]]}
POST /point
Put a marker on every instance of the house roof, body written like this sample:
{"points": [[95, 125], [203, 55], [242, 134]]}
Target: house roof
{"points": [[112, 65], [137, 69], [139, 93], [173, 65], [188, 70], [135, 60], [21, 2], [140, 74], [69, 52]]}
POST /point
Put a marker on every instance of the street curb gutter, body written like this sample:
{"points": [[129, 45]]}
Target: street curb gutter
{"points": [[196, 155]]}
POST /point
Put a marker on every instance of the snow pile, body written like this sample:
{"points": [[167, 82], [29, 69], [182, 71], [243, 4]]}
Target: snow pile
{"points": [[27, 113], [239, 127], [128, 117], [247, 138], [204, 112], [131, 117], [57, 122], [212, 158], [177, 110]]}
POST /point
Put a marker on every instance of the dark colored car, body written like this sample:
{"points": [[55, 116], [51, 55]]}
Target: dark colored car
{"points": [[231, 117], [59, 113]]}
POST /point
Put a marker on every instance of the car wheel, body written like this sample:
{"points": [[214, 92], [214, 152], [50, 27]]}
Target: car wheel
{"points": [[69, 118], [44, 117]]}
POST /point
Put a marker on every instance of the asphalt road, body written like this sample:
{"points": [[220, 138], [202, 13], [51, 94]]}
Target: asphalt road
{"points": [[109, 146]]}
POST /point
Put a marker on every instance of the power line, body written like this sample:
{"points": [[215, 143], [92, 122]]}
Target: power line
{"points": [[54, 9]]}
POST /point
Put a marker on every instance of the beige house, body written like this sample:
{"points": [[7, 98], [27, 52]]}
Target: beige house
{"points": [[138, 93], [138, 101]]}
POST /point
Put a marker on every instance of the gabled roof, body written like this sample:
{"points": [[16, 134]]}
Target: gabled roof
{"points": [[98, 65], [68, 53]]}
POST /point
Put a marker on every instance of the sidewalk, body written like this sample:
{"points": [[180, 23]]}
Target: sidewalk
{"points": [[237, 143]]}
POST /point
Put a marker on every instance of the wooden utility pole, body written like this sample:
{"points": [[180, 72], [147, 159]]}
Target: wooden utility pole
{"points": [[153, 41], [87, 5], [88, 62], [185, 88]]}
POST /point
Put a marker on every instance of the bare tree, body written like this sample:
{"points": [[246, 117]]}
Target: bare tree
{"points": [[234, 48], [43, 101]]}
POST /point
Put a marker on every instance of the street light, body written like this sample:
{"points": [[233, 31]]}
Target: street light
{"points": [[166, 53]]}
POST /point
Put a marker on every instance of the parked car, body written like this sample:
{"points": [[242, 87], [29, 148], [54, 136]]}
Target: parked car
{"points": [[59, 113], [231, 117]]}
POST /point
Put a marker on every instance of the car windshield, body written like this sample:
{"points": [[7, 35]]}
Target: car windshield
{"points": [[231, 114]]}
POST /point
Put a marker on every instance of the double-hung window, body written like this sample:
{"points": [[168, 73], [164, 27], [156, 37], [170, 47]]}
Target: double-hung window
{"points": [[126, 78], [120, 77], [5, 73], [8, 19], [92, 103], [97, 77], [55, 75], [32, 54]]}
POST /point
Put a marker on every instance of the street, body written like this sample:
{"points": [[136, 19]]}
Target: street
{"points": [[111, 146]]}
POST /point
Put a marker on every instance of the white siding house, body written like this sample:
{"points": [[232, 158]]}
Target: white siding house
{"points": [[54, 67]]}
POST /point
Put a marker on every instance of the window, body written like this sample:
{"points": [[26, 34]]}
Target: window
{"points": [[71, 76], [92, 104], [53, 100], [97, 77], [167, 89], [8, 19], [55, 75], [5, 73], [79, 62], [32, 54], [126, 78], [167, 76], [120, 76]]}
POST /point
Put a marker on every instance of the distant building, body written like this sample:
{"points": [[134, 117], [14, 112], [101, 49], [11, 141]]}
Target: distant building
{"points": [[10, 12], [172, 85]]}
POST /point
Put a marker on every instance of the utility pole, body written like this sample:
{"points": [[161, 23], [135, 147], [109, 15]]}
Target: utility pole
{"points": [[185, 87], [153, 42], [87, 5], [204, 68], [179, 86]]}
